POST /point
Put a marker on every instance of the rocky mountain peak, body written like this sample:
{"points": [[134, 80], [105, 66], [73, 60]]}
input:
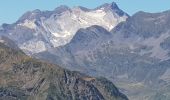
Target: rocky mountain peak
{"points": [[112, 7], [61, 8], [46, 29]]}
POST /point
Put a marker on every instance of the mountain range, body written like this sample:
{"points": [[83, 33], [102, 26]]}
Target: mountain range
{"points": [[26, 78], [37, 31], [131, 51]]}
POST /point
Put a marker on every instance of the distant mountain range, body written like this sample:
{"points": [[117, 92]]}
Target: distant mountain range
{"points": [[131, 51], [37, 31]]}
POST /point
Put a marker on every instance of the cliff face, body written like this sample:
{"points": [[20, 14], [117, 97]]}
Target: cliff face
{"points": [[24, 78]]}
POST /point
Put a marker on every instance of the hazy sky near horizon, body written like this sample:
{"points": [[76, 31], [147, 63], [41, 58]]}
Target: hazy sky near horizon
{"points": [[11, 10]]}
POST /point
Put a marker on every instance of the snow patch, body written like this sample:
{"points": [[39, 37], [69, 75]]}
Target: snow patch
{"points": [[33, 46], [28, 24], [2, 41], [64, 27]]}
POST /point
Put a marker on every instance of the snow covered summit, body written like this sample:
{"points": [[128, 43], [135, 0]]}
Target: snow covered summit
{"points": [[37, 31]]}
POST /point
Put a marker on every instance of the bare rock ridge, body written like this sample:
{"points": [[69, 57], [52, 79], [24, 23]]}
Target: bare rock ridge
{"points": [[25, 78]]}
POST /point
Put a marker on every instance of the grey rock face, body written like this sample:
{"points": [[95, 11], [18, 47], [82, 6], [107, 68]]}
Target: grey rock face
{"points": [[135, 52], [145, 24], [25, 78]]}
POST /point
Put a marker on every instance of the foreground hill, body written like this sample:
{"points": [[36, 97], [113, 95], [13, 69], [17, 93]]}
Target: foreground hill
{"points": [[24, 78]]}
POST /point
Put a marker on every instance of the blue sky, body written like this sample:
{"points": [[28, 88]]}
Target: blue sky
{"points": [[11, 10]]}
